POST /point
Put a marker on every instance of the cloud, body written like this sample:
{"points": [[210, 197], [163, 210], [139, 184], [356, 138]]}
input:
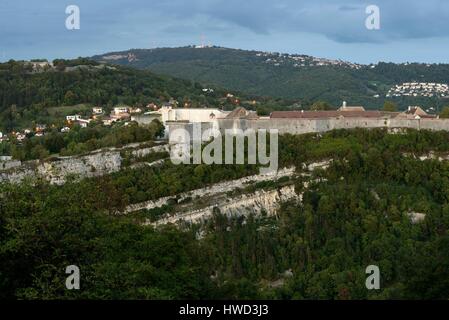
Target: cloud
{"points": [[34, 28], [342, 21]]}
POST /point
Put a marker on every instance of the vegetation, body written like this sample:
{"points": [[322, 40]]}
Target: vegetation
{"points": [[245, 71], [80, 140], [390, 106], [353, 214], [321, 106], [445, 113], [28, 97]]}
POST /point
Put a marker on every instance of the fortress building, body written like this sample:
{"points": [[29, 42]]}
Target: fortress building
{"points": [[300, 122]]}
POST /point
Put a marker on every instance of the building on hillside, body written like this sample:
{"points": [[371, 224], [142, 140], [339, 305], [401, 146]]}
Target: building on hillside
{"points": [[40, 127], [242, 113], [108, 121], [152, 107], [73, 118], [83, 122], [120, 110], [97, 110], [135, 110], [416, 112], [19, 136], [121, 116], [191, 114]]}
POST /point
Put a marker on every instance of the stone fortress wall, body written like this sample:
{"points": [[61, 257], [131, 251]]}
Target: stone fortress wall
{"points": [[312, 122], [302, 126], [179, 122]]}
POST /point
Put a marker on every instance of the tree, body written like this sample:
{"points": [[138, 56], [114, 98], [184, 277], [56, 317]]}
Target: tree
{"points": [[39, 152], [321, 106], [445, 113], [390, 106], [70, 98]]}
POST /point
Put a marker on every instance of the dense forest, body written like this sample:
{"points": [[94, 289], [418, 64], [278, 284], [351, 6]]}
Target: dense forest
{"points": [[353, 214], [96, 84], [249, 72]]}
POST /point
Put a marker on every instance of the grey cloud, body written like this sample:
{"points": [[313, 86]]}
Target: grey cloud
{"points": [[338, 20], [28, 25]]}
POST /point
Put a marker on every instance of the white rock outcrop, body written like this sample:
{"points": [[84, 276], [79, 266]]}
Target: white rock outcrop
{"points": [[218, 188], [244, 205]]}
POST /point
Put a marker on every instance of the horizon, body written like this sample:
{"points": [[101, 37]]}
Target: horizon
{"points": [[222, 47], [407, 31]]}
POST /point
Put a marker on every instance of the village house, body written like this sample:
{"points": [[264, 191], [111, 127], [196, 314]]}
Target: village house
{"points": [[40, 127], [152, 107], [120, 116], [120, 110], [83, 122], [108, 121], [97, 110], [135, 110], [73, 118]]}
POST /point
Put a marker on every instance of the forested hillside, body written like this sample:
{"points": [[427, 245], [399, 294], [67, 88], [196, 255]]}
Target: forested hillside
{"points": [[47, 95], [100, 85], [286, 76], [354, 214]]}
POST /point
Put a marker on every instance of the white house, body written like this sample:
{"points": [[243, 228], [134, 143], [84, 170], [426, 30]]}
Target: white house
{"points": [[75, 117], [120, 110], [83, 122], [108, 121], [191, 115], [135, 110], [97, 110]]}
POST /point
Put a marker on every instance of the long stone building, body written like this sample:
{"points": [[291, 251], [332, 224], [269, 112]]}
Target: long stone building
{"points": [[300, 122]]}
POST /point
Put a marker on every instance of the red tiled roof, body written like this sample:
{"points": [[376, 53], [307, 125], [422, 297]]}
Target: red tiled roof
{"points": [[324, 114]]}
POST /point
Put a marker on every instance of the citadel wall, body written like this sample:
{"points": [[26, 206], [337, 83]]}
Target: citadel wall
{"points": [[302, 126]]}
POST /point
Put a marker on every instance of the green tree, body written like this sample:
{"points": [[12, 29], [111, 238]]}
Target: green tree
{"points": [[70, 98], [321, 106], [389, 106], [444, 114]]}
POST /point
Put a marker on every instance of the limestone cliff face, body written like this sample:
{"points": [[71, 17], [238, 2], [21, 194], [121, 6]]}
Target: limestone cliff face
{"points": [[256, 203], [95, 164], [86, 167], [57, 171], [216, 189]]}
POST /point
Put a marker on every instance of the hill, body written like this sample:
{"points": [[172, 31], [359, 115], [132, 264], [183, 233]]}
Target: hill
{"points": [[42, 92], [288, 76]]}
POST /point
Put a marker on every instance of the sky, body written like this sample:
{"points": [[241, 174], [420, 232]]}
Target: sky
{"points": [[410, 30]]}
